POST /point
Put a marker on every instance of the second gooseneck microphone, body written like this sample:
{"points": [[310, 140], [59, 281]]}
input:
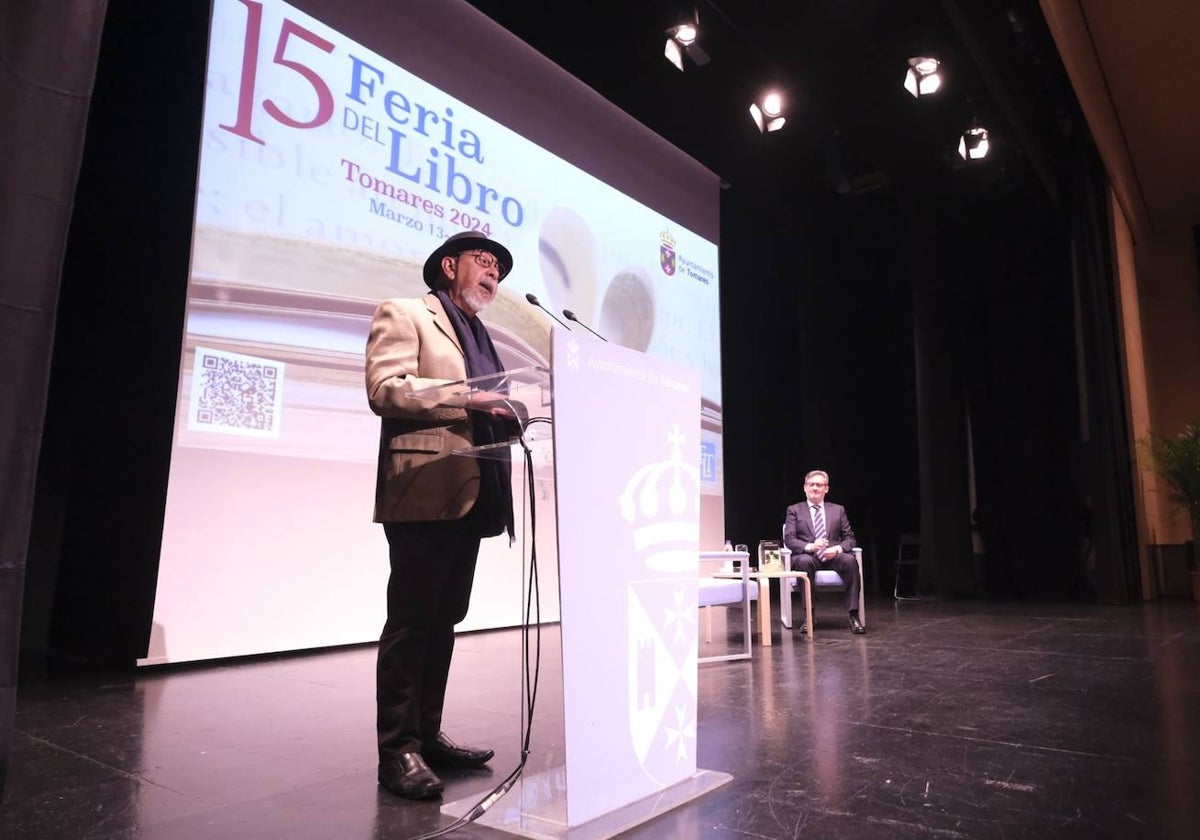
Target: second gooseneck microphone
{"points": [[532, 298], [571, 317]]}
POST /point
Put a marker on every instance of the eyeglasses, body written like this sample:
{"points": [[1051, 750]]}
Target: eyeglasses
{"points": [[814, 484], [485, 260]]}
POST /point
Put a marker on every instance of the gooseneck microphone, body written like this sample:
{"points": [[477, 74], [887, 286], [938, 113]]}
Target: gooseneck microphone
{"points": [[571, 317], [532, 298]]}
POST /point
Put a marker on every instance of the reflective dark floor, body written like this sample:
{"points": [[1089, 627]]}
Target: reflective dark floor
{"points": [[947, 720]]}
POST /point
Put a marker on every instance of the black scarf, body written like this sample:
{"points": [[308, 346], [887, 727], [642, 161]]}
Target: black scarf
{"points": [[493, 510]]}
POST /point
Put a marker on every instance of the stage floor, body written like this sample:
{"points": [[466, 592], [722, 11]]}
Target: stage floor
{"points": [[947, 720]]}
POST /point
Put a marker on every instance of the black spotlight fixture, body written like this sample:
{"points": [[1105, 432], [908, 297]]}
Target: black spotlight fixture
{"points": [[768, 110], [923, 77], [973, 145], [683, 39]]}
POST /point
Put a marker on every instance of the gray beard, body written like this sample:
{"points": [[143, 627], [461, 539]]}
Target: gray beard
{"points": [[473, 302]]}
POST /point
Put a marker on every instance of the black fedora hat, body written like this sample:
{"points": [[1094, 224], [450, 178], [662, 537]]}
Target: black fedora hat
{"points": [[465, 240]]}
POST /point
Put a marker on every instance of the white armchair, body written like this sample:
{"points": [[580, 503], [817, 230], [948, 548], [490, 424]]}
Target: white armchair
{"points": [[724, 592], [825, 580]]}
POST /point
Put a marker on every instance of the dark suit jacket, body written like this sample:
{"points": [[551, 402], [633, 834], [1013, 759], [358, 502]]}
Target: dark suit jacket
{"points": [[798, 532]]}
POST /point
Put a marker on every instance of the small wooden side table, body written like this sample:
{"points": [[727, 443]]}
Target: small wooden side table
{"points": [[764, 598]]}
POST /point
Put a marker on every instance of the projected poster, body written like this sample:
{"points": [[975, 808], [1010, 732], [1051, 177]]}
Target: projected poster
{"points": [[327, 174]]}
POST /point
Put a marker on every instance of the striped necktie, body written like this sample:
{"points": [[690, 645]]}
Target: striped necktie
{"points": [[818, 522]]}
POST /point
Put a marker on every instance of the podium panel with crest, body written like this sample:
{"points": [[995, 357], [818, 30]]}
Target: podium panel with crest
{"points": [[621, 471]]}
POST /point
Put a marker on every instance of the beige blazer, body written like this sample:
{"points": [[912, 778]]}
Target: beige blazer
{"points": [[412, 345]]}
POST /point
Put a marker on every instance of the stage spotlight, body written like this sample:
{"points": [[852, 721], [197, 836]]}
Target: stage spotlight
{"points": [[922, 78], [973, 145], [682, 39], [768, 112]]}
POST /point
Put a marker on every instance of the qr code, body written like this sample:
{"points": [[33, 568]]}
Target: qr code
{"points": [[235, 394]]}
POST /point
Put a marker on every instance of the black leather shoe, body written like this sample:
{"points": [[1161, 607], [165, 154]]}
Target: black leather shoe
{"points": [[408, 775], [445, 753], [856, 626]]}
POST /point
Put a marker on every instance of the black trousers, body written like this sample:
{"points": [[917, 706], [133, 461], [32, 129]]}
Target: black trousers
{"points": [[429, 590], [844, 564]]}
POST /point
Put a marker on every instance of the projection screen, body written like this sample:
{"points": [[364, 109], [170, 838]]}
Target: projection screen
{"points": [[341, 143]]}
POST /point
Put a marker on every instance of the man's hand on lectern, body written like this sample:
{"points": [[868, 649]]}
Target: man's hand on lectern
{"points": [[495, 404]]}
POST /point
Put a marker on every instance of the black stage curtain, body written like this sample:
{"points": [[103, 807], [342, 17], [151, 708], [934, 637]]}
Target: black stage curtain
{"points": [[48, 55], [1105, 460], [995, 389], [101, 491], [942, 285]]}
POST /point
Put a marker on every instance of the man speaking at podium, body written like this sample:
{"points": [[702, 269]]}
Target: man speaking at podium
{"points": [[435, 507]]}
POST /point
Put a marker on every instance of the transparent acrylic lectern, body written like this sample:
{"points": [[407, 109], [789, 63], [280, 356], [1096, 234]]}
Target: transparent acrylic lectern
{"points": [[608, 503]]}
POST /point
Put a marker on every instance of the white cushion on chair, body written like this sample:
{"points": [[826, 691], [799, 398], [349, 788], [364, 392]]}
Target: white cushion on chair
{"points": [[716, 591], [828, 577]]}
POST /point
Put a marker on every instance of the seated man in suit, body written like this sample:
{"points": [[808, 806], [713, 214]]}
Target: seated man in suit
{"points": [[820, 537]]}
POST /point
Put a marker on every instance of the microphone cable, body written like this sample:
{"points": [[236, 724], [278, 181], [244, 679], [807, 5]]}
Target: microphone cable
{"points": [[532, 610]]}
